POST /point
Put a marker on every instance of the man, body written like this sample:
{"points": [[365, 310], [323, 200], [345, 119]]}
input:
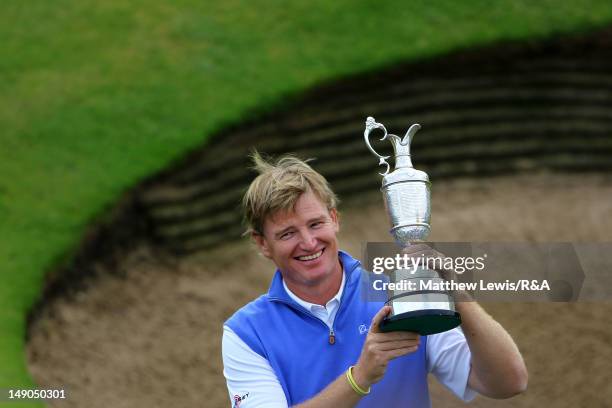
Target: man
{"points": [[306, 343]]}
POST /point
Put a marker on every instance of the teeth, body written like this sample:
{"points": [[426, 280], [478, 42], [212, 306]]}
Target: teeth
{"points": [[310, 257]]}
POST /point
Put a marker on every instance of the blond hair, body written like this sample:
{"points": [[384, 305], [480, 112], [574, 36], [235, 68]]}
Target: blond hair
{"points": [[278, 187]]}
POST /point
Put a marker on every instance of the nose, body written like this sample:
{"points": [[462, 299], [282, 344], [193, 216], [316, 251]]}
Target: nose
{"points": [[308, 241]]}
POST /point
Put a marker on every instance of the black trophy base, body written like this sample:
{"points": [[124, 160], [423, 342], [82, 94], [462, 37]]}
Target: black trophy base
{"points": [[424, 322]]}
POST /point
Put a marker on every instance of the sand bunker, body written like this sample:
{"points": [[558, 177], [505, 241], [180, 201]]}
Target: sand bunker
{"points": [[152, 337]]}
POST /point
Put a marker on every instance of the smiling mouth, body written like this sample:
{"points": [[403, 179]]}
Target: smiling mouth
{"points": [[310, 257]]}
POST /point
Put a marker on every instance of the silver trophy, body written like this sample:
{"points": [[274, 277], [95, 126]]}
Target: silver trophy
{"points": [[406, 193]]}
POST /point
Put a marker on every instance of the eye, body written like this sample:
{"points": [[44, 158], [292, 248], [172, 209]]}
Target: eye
{"points": [[287, 235], [317, 224]]}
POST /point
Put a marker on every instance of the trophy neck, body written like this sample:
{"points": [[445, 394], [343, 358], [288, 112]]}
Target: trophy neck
{"points": [[403, 161], [401, 148]]}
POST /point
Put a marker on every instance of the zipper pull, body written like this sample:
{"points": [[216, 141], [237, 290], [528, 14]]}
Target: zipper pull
{"points": [[332, 336]]}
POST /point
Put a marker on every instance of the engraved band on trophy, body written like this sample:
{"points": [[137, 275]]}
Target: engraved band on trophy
{"points": [[406, 194]]}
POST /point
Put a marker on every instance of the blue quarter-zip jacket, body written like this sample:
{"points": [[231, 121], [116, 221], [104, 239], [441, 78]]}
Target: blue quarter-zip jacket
{"points": [[297, 344]]}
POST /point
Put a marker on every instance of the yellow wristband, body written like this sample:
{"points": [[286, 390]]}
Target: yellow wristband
{"points": [[353, 383]]}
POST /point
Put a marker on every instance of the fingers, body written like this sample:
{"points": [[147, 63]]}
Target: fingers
{"points": [[379, 348], [378, 318], [434, 259], [394, 340], [416, 249], [401, 352], [420, 253], [394, 336], [398, 345]]}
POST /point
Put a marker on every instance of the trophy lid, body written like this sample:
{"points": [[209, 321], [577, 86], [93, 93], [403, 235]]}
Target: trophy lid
{"points": [[404, 171]]}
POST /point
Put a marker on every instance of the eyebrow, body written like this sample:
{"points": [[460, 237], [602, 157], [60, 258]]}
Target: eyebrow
{"points": [[320, 218]]}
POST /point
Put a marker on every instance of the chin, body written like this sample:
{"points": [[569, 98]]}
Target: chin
{"points": [[321, 272]]}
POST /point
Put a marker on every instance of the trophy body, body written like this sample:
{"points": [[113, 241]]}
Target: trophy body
{"points": [[406, 194]]}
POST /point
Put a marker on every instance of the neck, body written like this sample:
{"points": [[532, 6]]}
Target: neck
{"points": [[322, 292]]}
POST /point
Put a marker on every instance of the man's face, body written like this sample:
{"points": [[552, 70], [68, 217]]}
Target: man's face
{"points": [[302, 243]]}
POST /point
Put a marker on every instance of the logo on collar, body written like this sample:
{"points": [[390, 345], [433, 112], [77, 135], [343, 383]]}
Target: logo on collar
{"points": [[363, 329]]}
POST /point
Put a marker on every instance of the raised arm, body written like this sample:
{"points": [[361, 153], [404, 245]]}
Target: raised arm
{"points": [[497, 367], [498, 370]]}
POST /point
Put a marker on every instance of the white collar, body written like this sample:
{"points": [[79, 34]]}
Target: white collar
{"points": [[309, 306]]}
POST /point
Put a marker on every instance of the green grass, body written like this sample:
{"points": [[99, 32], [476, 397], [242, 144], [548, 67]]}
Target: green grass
{"points": [[94, 96]]}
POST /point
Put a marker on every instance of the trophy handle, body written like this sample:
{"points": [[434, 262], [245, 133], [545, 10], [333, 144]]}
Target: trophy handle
{"points": [[371, 124]]}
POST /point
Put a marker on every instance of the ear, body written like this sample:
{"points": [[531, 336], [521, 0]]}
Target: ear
{"points": [[262, 243], [335, 219]]}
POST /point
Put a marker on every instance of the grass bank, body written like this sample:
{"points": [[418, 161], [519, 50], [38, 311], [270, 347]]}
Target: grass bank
{"points": [[97, 95]]}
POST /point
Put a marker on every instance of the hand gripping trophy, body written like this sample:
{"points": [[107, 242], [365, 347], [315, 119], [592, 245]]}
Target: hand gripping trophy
{"points": [[406, 193]]}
